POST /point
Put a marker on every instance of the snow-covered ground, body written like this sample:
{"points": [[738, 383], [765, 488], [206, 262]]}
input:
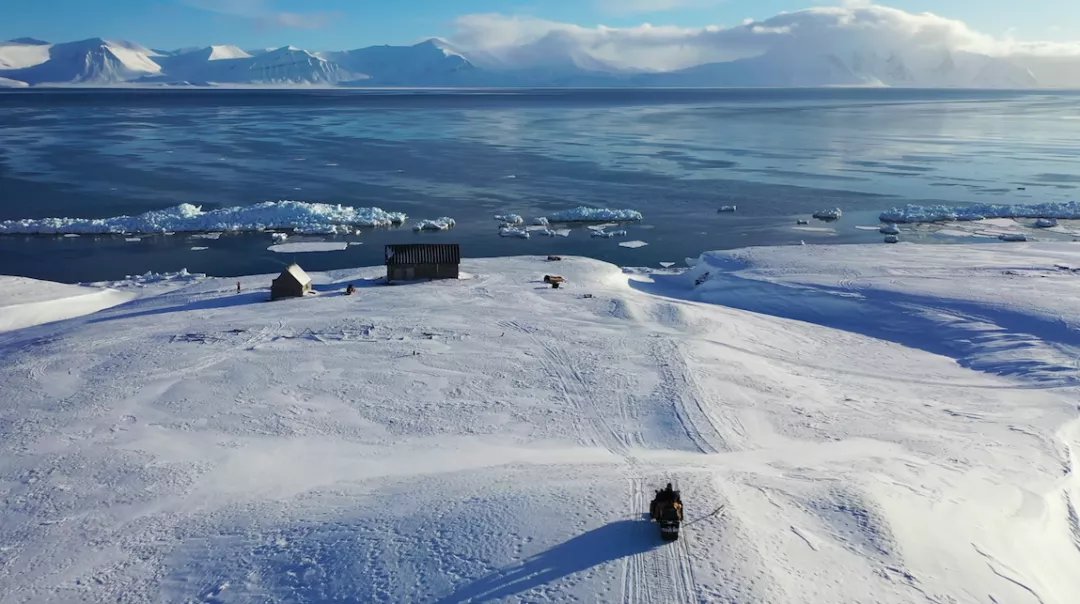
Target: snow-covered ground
{"points": [[493, 439], [25, 302]]}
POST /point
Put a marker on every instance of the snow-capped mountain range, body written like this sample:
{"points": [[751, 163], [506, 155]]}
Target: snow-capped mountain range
{"points": [[436, 63]]}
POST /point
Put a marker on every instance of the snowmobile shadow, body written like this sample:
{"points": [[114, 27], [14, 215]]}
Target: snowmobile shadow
{"points": [[608, 543]]}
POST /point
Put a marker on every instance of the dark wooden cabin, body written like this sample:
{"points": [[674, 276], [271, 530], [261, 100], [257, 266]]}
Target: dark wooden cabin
{"points": [[415, 261]]}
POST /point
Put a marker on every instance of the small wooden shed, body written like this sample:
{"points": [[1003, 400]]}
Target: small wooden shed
{"points": [[293, 282], [413, 261]]}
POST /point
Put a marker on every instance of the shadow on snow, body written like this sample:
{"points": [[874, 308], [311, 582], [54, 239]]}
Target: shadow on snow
{"points": [[608, 543], [978, 336]]}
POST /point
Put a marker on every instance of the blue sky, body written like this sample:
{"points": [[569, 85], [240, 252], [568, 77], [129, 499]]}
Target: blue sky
{"points": [[340, 24]]}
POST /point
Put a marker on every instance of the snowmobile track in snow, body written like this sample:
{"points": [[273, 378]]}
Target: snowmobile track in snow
{"points": [[662, 574]]}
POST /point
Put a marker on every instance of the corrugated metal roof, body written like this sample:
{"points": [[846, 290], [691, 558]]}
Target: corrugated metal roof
{"points": [[423, 253], [297, 273]]}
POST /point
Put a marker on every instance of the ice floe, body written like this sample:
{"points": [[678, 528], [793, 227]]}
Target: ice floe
{"points": [[439, 224], [297, 215], [830, 214], [608, 234], [513, 232], [308, 246], [510, 219], [632, 244], [586, 214], [942, 213], [726, 209]]}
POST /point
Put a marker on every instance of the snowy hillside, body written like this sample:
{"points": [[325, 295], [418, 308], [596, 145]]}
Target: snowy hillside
{"points": [[230, 65], [429, 63], [88, 62], [493, 439]]}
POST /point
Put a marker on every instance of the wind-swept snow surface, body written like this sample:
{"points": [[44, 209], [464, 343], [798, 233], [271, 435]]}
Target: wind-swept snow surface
{"points": [[25, 302], [493, 439]]}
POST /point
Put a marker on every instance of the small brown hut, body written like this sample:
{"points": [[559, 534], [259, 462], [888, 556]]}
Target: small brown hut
{"points": [[293, 282], [410, 262]]}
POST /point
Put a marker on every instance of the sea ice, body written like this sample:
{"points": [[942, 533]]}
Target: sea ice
{"points": [[587, 214], [510, 219], [726, 209], [941, 213], [513, 232], [608, 234], [831, 214], [632, 244], [298, 215], [308, 246], [439, 224]]}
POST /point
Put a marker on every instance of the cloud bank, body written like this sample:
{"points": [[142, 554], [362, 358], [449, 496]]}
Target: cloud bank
{"points": [[515, 42]]}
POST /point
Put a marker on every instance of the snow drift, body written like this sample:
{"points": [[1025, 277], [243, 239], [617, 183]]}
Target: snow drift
{"points": [[25, 302]]}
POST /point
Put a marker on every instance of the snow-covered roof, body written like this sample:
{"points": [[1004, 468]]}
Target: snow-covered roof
{"points": [[297, 273]]}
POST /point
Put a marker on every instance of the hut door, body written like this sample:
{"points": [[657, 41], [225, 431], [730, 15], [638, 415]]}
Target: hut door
{"points": [[410, 273]]}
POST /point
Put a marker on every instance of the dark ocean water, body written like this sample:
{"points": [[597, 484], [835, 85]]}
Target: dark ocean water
{"points": [[675, 155]]}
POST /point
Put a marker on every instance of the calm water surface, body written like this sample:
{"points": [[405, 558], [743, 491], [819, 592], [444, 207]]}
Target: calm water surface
{"points": [[675, 155]]}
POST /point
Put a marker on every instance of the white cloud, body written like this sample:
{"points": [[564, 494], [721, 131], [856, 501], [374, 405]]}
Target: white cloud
{"points": [[263, 13], [526, 42]]}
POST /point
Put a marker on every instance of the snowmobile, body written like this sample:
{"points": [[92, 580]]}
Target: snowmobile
{"points": [[667, 510]]}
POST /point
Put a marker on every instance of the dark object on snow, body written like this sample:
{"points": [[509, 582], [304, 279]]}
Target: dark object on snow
{"points": [[414, 261], [555, 285], [554, 279], [237, 287], [350, 290], [292, 283], [667, 510], [801, 221], [554, 258], [587, 296]]}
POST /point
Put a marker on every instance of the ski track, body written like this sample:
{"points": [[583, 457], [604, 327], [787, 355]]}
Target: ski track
{"points": [[663, 574], [660, 575], [679, 386]]}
